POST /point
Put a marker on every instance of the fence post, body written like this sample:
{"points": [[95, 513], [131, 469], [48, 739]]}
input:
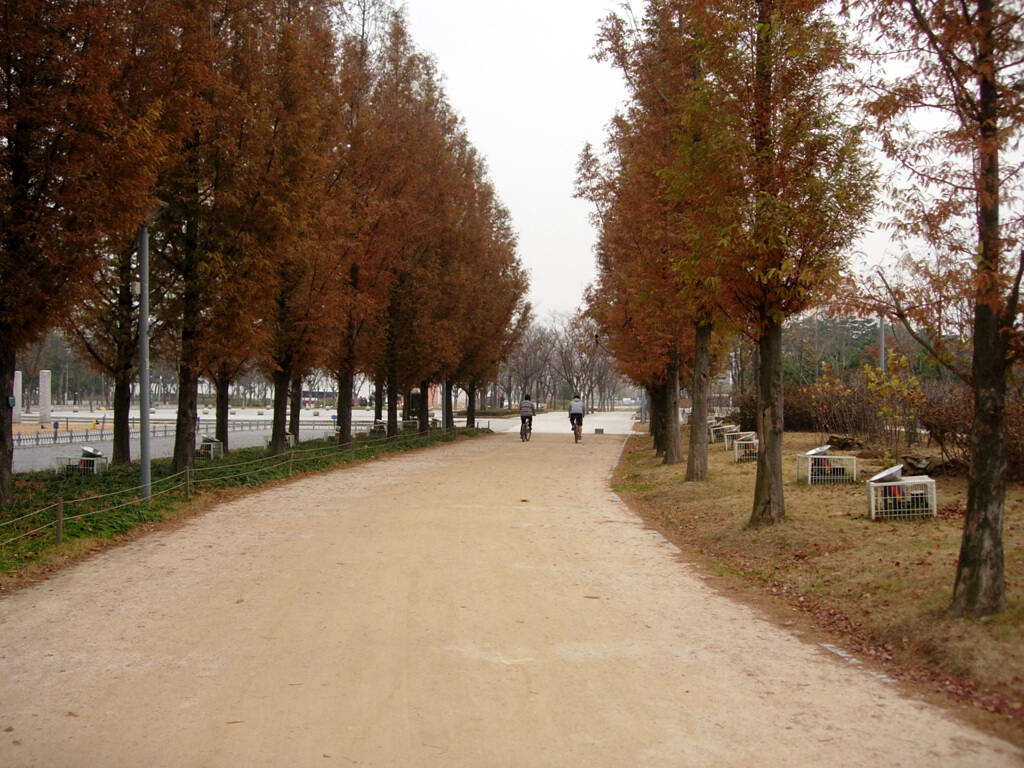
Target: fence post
{"points": [[188, 483], [291, 455], [60, 520]]}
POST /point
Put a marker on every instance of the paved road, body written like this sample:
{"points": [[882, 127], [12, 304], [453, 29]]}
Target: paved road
{"points": [[32, 458], [483, 603]]}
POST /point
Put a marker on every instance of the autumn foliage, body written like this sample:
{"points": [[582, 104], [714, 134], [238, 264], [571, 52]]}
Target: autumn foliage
{"points": [[315, 203]]}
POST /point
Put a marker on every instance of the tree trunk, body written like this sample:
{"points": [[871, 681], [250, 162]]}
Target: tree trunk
{"points": [[769, 507], [345, 381], [222, 384], [278, 439], [392, 411], [7, 364], [185, 426], [980, 585], [449, 405], [697, 464], [471, 404], [673, 439], [121, 450], [657, 417], [188, 364], [378, 399], [295, 402], [423, 407]]}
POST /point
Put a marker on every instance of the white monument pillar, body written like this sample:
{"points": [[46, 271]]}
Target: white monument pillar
{"points": [[16, 416], [44, 397]]}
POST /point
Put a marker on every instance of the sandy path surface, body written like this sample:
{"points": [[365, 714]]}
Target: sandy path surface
{"points": [[487, 603]]}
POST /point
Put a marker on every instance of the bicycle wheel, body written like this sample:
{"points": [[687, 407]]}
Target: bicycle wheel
{"points": [[576, 432], [522, 432]]}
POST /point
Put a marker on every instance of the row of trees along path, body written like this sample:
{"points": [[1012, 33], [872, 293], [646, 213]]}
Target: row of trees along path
{"points": [[314, 204], [739, 173]]}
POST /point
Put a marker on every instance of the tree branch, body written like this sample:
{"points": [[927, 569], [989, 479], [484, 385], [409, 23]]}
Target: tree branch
{"points": [[901, 315]]}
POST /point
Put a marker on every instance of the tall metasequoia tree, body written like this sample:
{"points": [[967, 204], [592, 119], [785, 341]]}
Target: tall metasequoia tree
{"points": [[300, 132], [495, 314], [237, 194], [415, 326], [64, 138], [808, 186], [380, 196], [637, 245], [104, 322], [666, 151], [961, 176], [356, 203], [199, 244]]}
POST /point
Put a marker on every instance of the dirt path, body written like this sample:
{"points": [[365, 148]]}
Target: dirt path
{"points": [[488, 603]]}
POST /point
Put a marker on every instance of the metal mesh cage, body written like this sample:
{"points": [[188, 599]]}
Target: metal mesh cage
{"points": [[820, 467], [731, 437], [902, 498], [716, 432], [82, 465], [745, 450]]}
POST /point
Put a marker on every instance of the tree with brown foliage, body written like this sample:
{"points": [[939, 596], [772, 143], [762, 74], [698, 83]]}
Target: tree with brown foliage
{"points": [[808, 186], [956, 192], [76, 168]]}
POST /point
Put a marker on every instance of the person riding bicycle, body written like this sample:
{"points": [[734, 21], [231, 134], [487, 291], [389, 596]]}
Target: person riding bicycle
{"points": [[576, 412], [527, 410]]}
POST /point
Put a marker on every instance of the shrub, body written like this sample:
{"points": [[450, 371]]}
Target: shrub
{"points": [[947, 415], [797, 413]]}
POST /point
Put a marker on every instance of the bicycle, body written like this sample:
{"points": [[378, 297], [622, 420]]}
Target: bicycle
{"points": [[524, 431], [577, 431]]}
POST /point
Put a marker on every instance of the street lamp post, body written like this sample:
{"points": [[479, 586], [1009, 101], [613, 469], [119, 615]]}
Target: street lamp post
{"points": [[144, 448]]}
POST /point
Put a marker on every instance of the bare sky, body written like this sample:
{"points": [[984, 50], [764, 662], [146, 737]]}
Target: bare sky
{"points": [[521, 76]]}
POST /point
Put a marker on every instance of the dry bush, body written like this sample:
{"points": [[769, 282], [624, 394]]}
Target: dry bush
{"points": [[843, 407], [947, 415]]}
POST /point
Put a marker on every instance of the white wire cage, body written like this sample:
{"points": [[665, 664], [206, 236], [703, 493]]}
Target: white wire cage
{"points": [[818, 467], [892, 496], [717, 432], [731, 437], [210, 448], [82, 465], [745, 450]]}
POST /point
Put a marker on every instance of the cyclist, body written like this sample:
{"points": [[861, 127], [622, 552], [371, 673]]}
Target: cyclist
{"points": [[576, 412], [527, 410]]}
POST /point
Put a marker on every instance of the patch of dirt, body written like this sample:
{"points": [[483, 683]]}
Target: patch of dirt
{"points": [[488, 602]]}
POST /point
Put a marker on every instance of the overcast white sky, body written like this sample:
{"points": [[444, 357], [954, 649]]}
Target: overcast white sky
{"points": [[521, 76]]}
